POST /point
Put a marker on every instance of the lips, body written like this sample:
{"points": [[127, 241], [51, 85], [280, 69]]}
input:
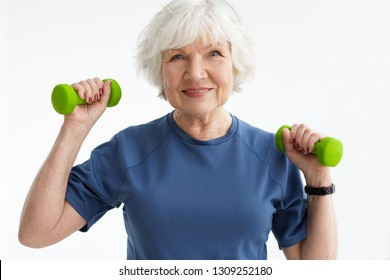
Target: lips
{"points": [[196, 92]]}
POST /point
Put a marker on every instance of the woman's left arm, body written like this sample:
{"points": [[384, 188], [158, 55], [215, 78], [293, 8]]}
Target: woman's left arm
{"points": [[321, 239]]}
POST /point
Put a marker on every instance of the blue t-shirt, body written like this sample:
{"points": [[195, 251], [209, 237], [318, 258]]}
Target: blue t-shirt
{"points": [[189, 199]]}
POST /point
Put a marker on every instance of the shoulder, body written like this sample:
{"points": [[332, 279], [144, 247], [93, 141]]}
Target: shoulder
{"points": [[131, 145], [259, 141], [148, 133], [262, 144]]}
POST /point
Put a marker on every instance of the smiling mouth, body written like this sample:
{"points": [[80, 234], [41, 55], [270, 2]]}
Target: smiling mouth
{"points": [[196, 92]]}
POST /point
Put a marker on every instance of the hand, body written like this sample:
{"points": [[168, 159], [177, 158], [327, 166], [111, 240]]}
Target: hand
{"points": [[96, 93], [299, 143]]}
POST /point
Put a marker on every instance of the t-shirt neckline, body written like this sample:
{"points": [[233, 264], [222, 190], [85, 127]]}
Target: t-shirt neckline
{"points": [[183, 135]]}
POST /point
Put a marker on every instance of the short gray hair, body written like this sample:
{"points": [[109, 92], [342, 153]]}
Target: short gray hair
{"points": [[180, 23]]}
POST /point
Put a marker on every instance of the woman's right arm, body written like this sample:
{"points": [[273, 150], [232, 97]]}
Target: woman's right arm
{"points": [[46, 216]]}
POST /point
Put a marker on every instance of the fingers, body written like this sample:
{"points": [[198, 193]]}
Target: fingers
{"points": [[304, 138], [90, 90]]}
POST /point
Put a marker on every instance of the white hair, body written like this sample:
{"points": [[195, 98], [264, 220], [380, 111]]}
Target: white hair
{"points": [[180, 23]]}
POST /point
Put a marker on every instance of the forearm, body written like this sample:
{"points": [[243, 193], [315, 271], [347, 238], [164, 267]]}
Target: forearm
{"points": [[321, 240], [46, 199]]}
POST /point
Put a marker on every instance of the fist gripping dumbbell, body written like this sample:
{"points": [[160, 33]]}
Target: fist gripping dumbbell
{"points": [[64, 98], [329, 150]]}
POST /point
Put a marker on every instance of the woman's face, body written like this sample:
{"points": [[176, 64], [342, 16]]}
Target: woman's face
{"points": [[198, 78]]}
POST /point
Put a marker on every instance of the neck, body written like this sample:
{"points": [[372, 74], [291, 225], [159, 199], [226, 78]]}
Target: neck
{"points": [[207, 127]]}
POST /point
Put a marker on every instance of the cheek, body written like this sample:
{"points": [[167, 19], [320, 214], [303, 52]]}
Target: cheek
{"points": [[170, 77], [171, 81], [225, 78]]}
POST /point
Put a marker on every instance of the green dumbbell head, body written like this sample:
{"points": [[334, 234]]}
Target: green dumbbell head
{"points": [[64, 98], [328, 150]]}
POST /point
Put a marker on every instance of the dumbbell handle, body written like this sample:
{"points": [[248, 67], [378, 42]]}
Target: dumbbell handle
{"points": [[328, 150], [64, 98]]}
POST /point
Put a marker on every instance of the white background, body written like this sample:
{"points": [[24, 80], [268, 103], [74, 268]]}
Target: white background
{"points": [[326, 64]]}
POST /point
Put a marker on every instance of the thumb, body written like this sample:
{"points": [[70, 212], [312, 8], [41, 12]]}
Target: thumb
{"points": [[106, 92]]}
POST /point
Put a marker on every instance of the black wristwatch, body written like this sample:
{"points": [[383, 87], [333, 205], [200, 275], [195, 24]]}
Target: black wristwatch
{"points": [[321, 190]]}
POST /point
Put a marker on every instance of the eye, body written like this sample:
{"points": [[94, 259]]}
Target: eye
{"points": [[215, 53], [177, 57]]}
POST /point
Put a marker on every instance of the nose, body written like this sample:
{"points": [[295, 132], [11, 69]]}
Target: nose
{"points": [[195, 70]]}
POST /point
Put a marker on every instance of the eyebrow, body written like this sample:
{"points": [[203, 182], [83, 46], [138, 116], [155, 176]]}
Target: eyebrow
{"points": [[211, 46]]}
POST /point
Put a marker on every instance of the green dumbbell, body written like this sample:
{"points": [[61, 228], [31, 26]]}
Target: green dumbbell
{"points": [[64, 98], [329, 150]]}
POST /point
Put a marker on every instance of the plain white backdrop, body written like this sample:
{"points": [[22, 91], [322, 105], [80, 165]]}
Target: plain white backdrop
{"points": [[324, 63]]}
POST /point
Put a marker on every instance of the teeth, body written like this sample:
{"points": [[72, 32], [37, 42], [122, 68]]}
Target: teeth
{"points": [[197, 91]]}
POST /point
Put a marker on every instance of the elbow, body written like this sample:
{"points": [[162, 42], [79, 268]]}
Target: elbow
{"points": [[324, 251], [331, 255], [322, 254], [30, 240], [25, 240]]}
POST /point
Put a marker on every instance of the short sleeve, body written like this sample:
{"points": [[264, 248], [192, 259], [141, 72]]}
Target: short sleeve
{"points": [[92, 186], [289, 220]]}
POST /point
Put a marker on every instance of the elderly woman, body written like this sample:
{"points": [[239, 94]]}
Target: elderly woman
{"points": [[197, 183]]}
